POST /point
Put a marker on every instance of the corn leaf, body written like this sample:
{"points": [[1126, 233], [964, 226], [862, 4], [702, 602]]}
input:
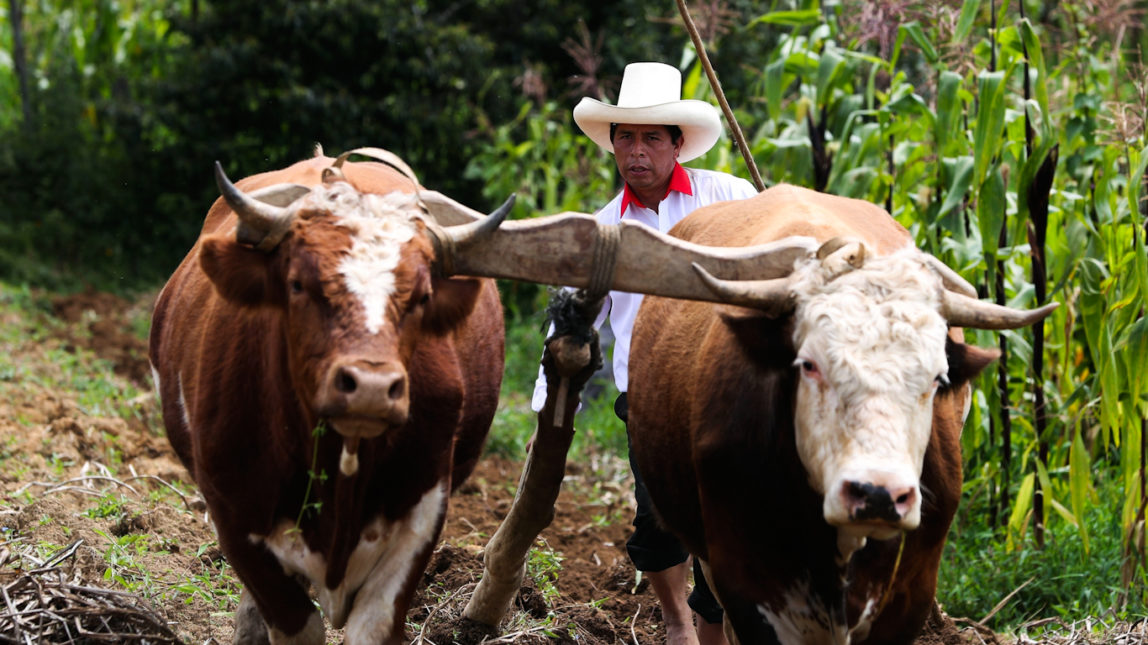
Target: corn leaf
{"points": [[969, 12], [1021, 511], [1079, 484]]}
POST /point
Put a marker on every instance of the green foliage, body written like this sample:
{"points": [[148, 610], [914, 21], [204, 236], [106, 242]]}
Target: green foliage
{"points": [[543, 565], [108, 507], [1066, 578], [108, 178], [310, 507], [77, 172], [122, 557], [99, 390], [215, 584]]}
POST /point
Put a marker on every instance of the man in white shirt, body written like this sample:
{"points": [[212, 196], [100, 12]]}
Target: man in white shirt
{"points": [[651, 131]]}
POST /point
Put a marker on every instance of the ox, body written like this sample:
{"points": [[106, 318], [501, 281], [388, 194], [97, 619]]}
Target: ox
{"points": [[803, 439], [326, 388]]}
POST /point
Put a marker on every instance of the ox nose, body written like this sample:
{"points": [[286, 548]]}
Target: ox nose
{"points": [[363, 389], [870, 502]]}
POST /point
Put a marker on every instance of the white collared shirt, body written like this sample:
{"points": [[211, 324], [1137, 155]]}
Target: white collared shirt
{"points": [[622, 307]]}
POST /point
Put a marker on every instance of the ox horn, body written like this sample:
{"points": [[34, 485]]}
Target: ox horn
{"points": [[775, 296], [451, 242], [962, 311], [260, 223], [951, 279]]}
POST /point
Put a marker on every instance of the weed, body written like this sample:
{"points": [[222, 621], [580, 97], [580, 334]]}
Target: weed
{"points": [[124, 568], [543, 565], [217, 588], [109, 507], [313, 476]]}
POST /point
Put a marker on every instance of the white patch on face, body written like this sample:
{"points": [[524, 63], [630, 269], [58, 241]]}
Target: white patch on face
{"points": [[878, 342], [379, 225], [376, 570], [804, 620]]}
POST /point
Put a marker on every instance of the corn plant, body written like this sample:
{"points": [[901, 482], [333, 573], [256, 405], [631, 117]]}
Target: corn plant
{"points": [[986, 141]]}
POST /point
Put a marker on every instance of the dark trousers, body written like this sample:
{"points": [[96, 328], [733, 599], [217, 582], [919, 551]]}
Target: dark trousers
{"points": [[652, 548]]}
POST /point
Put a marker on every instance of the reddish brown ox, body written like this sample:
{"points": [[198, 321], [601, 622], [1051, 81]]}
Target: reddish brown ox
{"points": [[326, 390], [792, 442]]}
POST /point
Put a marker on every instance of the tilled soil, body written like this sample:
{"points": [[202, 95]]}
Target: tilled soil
{"points": [[103, 503]]}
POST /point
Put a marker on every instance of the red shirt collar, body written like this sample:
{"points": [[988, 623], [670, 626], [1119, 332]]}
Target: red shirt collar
{"points": [[679, 181]]}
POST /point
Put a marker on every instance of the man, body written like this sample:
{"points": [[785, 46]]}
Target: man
{"points": [[651, 131]]}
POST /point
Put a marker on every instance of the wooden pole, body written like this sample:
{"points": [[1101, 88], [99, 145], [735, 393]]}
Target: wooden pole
{"points": [[738, 135]]}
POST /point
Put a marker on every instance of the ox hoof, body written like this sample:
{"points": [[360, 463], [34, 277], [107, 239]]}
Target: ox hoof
{"points": [[249, 626]]}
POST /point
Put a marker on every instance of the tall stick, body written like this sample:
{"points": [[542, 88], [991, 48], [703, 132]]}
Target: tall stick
{"points": [[714, 83]]}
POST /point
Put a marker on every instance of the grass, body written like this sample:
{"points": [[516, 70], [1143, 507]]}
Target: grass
{"points": [[1063, 579], [29, 326]]}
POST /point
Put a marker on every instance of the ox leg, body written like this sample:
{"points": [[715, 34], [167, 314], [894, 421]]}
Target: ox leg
{"points": [[568, 364], [251, 629], [249, 626], [741, 617], [274, 607]]}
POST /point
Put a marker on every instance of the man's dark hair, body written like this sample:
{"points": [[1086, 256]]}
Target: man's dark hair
{"points": [[675, 132]]}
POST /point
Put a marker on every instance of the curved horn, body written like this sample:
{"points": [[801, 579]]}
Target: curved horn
{"points": [[451, 242], [447, 212], [963, 311], [260, 224], [774, 296], [465, 234], [951, 279]]}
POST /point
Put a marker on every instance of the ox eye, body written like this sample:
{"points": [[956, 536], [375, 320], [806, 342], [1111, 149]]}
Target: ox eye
{"points": [[942, 380], [425, 299], [808, 367], [296, 286]]}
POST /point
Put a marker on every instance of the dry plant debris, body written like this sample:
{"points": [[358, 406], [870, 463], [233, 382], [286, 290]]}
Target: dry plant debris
{"points": [[47, 604]]}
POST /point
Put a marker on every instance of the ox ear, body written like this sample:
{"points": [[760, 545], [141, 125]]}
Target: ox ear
{"points": [[241, 274], [966, 361], [765, 339], [452, 302]]}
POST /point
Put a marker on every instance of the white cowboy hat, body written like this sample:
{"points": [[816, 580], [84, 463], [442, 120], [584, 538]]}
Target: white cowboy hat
{"points": [[651, 93]]}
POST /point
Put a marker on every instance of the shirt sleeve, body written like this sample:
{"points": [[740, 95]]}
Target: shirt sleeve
{"points": [[741, 189]]}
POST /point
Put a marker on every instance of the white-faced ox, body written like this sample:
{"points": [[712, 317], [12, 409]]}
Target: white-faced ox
{"points": [[803, 439], [326, 389]]}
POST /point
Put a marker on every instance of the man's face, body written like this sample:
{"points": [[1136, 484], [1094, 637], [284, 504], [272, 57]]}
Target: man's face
{"points": [[645, 155]]}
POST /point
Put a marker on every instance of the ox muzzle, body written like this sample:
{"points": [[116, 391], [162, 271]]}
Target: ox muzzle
{"points": [[874, 503], [361, 399]]}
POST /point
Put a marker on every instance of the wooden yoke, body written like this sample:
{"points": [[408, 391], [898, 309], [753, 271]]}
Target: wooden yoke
{"points": [[571, 357]]}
